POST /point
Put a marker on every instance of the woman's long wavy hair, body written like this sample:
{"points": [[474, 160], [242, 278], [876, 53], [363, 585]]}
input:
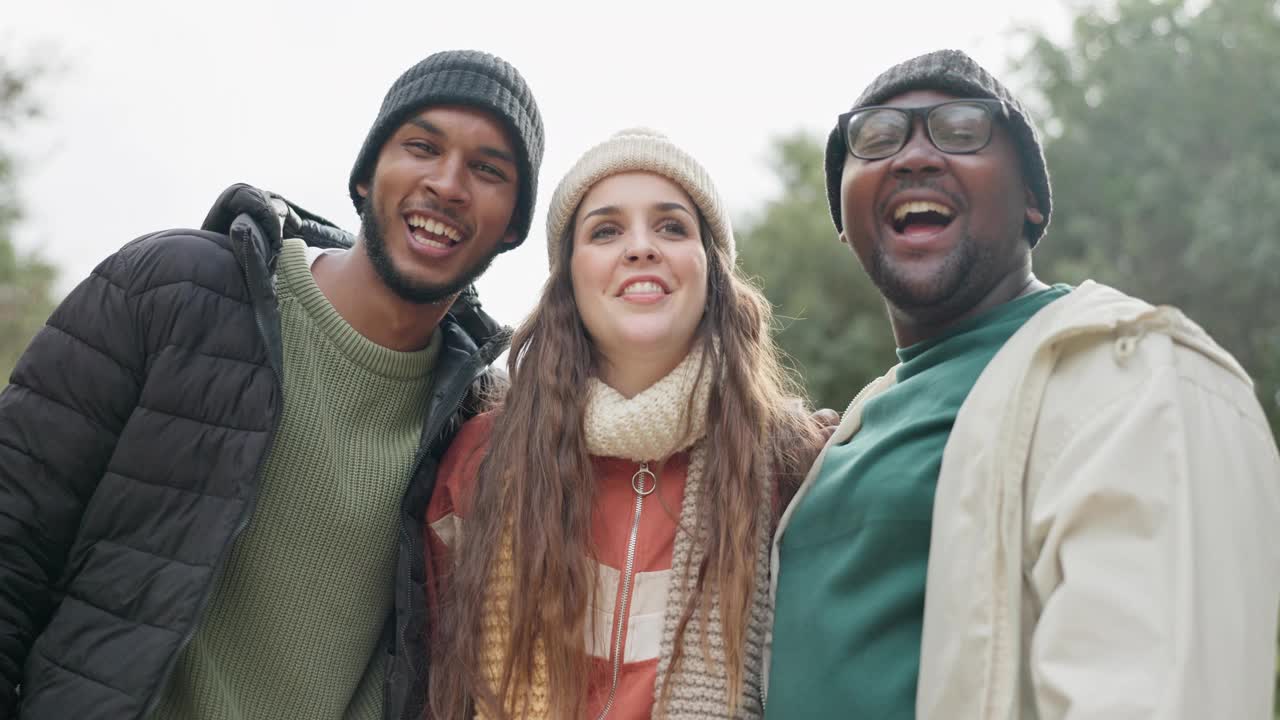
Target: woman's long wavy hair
{"points": [[535, 493]]}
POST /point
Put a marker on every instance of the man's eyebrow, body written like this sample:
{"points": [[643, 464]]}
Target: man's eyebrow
{"points": [[426, 126], [498, 153], [488, 150]]}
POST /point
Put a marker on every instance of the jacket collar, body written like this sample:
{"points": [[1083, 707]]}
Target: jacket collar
{"points": [[1094, 308], [262, 219]]}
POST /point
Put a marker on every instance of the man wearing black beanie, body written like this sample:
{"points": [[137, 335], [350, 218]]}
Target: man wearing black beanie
{"points": [[215, 458], [1063, 502]]}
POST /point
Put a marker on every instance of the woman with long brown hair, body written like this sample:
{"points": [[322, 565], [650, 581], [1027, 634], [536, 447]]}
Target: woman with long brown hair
{"points": [[600, 540]]}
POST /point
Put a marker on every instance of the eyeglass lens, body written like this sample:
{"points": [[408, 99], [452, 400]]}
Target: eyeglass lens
{"points": [[954, 127]]}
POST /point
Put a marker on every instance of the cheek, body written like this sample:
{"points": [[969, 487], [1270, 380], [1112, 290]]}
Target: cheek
{"points": [[585, 301], [389, 184], [576, 275], [1003, 196], [693, 275], [390, 170], [499, 202], [589, 278], [857, 190], [996, 177], [857, 212], [847, 211]]}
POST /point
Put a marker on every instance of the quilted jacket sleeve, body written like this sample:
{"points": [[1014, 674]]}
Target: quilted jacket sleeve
{"points": [[68, 398]]}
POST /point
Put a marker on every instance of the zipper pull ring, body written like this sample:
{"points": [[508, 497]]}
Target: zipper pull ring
{"points": [[638, 482]]}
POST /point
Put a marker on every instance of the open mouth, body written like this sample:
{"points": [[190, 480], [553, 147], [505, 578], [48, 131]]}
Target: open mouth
{"points": [[433, 233], [644, 288], [921, 217]]}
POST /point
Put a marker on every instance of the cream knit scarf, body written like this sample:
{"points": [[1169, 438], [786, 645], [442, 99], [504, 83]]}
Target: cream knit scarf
{"points": [[652, 426]]}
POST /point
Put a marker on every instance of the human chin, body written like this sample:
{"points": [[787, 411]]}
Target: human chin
{"points": [[655, 334], [921, 282], [407, 284]]}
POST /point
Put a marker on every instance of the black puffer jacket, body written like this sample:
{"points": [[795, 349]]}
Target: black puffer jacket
{"points": [[131, 441]]}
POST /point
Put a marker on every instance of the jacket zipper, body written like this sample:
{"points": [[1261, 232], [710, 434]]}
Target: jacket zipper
{"points": [[642, 490], [246, 514], [485, 355]]}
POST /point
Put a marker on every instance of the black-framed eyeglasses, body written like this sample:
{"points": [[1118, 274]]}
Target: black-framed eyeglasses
{"points": [[957, 127]]}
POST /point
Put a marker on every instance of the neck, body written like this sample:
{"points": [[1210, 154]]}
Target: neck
{"points": [[910, 327], [350, 283], [633, 372]]}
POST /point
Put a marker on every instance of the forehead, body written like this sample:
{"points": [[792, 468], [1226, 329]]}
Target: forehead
{"points": [[462, 123], [919, 98], [634, 190]]}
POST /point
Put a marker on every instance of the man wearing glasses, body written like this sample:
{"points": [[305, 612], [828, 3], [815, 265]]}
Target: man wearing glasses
{"points": [[1061, 503]]}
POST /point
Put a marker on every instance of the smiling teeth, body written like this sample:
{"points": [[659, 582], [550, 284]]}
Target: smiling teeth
{"points": [[920, 206], [643, 288], [435, 227], [431, 243]]}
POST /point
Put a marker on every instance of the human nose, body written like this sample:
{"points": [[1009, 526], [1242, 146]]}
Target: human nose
{"points": [[447, 180], [642, 248], [919, 156]]}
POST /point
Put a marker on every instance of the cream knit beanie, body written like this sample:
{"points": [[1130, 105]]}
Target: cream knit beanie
{"points": [[631, 150]]}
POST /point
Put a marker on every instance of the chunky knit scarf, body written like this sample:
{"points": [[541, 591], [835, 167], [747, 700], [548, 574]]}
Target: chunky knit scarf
{"points": [[651, 426], [654, 424]]}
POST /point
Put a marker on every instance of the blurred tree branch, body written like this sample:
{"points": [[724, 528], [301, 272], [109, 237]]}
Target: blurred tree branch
{"points": [[26, 281]]}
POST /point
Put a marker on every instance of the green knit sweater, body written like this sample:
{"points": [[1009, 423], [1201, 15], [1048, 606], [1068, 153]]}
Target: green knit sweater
{"points": [[295, 623]]}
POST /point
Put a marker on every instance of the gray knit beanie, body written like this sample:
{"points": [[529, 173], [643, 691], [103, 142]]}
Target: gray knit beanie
{"points": [[472, 78], [638, 149], [953, 72]]}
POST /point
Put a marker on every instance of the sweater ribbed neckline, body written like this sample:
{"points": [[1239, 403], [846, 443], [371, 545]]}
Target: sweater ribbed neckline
{"points": [[296, 281]]}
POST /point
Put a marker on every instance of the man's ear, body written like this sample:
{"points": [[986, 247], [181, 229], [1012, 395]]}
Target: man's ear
{"points": [[362, 189], [1032, 213], [510, 238], [843, 238]]}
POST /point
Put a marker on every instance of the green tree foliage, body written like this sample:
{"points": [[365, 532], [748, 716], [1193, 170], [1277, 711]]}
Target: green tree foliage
{"points": [[1165, 157], [25, 280], [832, 320]]}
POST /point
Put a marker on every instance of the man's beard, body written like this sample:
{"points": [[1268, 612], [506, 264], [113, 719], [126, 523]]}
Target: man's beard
{"points": [[936, 291], [405, 287], [962, 280]]}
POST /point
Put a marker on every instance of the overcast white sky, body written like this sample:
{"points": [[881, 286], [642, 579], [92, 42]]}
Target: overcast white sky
{"points": [[162, 103]]}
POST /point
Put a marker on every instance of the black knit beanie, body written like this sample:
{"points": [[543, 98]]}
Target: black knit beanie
{"points": [[953, 72], [463, 77]]}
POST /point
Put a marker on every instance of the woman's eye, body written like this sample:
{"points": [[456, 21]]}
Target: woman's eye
{"points": [[673, 227], [604, 232]]}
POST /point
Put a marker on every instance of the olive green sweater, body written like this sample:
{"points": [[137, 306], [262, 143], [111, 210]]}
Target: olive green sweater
{"points": [[295, 623]]}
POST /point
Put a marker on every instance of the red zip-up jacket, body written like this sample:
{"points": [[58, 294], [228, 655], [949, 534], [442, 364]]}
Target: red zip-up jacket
{"points": [[631, 645]]}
